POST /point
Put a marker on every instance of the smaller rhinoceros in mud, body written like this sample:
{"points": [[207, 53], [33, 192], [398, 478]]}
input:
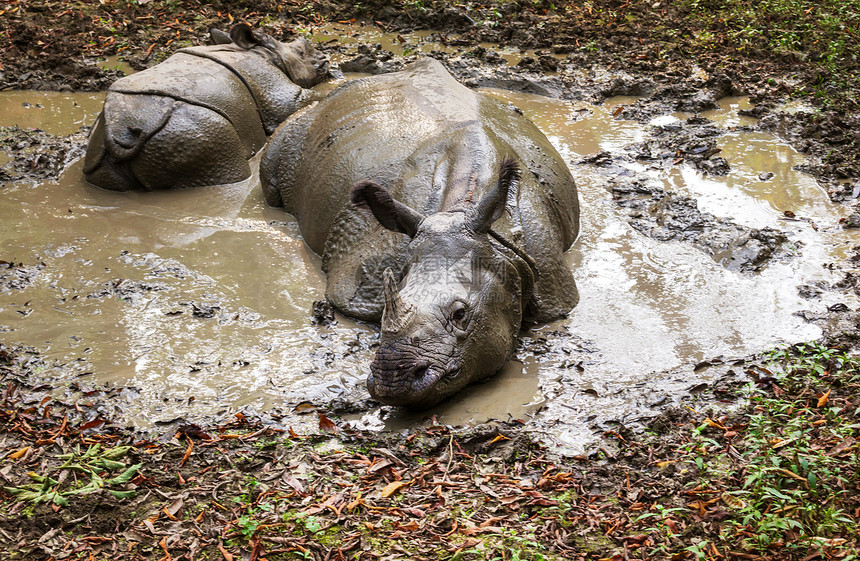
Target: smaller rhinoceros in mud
{"points": [[476, 208], [196, 118]]}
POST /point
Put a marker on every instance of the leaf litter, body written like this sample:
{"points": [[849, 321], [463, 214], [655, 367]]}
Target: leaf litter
{"points": [[247, 490]]}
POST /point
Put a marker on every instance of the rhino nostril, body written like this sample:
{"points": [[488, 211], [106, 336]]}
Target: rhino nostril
{"points": [[420, 370]]}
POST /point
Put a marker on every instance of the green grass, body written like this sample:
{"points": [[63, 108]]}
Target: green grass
{"points": [[789, 486], [820, 32]]}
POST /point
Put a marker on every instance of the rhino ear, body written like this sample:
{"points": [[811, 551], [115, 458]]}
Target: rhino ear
{"points": [[392, 214], [218, 37], [243, 36], [490, 208]]}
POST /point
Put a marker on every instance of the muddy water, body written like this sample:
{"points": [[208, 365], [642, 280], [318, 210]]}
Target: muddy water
{"points": [[200, 296], [651, 310], [115, 62], [57, 113], [199, 301]]}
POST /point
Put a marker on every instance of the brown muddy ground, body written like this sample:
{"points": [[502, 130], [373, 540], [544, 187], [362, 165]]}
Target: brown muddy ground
{"points": [[244, 490]]}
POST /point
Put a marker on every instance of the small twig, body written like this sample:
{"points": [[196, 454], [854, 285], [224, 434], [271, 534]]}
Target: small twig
{"points": [[450, 455]]}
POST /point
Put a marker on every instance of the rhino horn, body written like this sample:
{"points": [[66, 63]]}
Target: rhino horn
{"points": [[396, 312]]}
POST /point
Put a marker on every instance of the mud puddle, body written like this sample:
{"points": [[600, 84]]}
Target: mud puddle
{"points": [[651, 311], [116, 62], [58, 113], [199, 302]]}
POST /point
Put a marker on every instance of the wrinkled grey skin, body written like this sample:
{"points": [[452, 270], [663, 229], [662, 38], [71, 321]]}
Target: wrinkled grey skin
{"points": [[196, 118], [395, 181]]}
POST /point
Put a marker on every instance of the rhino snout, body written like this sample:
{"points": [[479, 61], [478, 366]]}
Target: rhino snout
{"points": [[404, 384]]}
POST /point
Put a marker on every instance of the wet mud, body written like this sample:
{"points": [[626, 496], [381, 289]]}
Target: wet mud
{"points": [[655, 52], [666, 215], [193, 316]]}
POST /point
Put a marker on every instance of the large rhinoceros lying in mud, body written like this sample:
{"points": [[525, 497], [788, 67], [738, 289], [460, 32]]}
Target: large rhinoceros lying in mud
{"points": [[196, 118], [452, 275]]}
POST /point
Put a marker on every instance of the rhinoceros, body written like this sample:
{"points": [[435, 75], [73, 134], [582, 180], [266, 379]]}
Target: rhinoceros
{"points": [[438, 211], [196, 118]]}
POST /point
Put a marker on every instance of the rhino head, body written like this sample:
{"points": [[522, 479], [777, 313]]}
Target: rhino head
{"points": [[454, 315], [304, 65]]}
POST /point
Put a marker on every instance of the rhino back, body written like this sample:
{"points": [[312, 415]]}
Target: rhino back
{"points": [[543, 217], [275, 95], [205, 83], [435, 145], [375, 128]]}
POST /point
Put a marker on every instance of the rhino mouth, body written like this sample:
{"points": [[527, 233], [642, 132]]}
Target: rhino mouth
{"points": [[418, 385]]}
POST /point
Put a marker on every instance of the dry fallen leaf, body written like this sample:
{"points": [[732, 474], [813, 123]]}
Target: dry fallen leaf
{"points": [[19, 453], [472, 530], [297, 486], [173, 509], [393, 487], [842, 446], [833, 542], [354, 503], [779, 443], [227, 555], [188, 451], [732, 501], [326, 425], [410, 526], [697, 505], [791, 475], [304, 407], [95, 423]]}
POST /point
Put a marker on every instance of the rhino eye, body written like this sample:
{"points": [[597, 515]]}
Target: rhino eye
{"points": [[458, 313]]}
